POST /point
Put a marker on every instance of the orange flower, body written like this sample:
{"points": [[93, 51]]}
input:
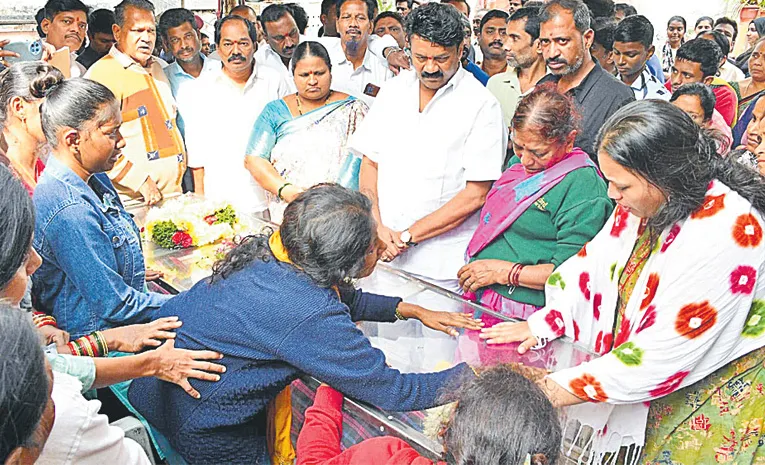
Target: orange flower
{"points": [[650, 290], [747, 231], [583, 251], [588, 388], [712, 204], [693, 320]]}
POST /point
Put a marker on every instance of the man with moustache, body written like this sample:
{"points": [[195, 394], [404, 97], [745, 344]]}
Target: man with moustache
{"points": [[283, 36], [491, 37], [566, 38], [426, 190], [358, 71], [178, 30], [526, 65], [392, 24], [64, 25], [236, 86], [153, 160]]}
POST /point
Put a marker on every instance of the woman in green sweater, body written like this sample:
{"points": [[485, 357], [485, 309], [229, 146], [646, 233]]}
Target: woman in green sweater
{"points": [[546, 206]]}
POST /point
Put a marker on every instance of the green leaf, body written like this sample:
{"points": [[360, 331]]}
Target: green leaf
{"points": [[629, 354], [226, 215], [162, 234], [556, 279]]}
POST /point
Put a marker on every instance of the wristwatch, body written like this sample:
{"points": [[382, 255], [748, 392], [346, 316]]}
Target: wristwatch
{"points": [[406, 238]]}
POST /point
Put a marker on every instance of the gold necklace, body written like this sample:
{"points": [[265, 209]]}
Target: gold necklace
{"points": [[300, 106]]}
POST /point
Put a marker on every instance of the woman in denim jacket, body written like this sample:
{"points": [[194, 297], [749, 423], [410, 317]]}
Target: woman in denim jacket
{"points": [[93, 273]]}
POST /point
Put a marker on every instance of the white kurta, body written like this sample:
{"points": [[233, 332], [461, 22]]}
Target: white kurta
{"points": [[218, 118], [460, 136]]}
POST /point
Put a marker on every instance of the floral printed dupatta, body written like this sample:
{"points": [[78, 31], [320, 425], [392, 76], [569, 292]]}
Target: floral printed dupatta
{"points": [[698, 305]]}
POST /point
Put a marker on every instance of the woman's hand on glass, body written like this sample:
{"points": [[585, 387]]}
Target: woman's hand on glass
{"points": [[154, 275], [482, 273], [178, 365], [134, 338], [53, 335], [505, 333], [446, 322]]}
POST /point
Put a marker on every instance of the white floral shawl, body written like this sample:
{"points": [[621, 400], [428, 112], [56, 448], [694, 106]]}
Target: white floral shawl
{"points": [[698, 304]]}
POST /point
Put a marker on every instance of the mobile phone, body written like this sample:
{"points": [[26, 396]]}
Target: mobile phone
{"points": [[29, 50], [371, 90]]}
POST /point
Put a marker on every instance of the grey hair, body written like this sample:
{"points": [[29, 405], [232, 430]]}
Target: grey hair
{"points": [[74, 103], [658, 141], [582, 16], [29, 80], [119, 10], [23, 380], [327, 231], [500, 418]]}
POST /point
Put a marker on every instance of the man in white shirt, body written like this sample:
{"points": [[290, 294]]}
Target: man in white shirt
{"points": [[358, 71], [65, 25], [633, 47], [282, 37], [227, 101], [427, 188]]}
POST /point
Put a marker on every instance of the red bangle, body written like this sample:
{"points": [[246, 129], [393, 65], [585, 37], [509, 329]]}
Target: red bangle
{"points": [[517, 275], [510, 274]]}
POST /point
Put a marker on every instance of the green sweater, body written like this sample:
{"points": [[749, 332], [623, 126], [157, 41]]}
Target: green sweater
{"points": [[553, 229]]}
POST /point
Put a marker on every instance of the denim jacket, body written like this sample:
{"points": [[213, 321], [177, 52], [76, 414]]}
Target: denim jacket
{"points": [[93, 275]]}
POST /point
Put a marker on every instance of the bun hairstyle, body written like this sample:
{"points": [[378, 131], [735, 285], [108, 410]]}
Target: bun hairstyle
{"points": [[73, 103], [548, 113], [30, 80]]}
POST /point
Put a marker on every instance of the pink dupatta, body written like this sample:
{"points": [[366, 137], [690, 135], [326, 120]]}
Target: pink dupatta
{"points": [[516, 191]]}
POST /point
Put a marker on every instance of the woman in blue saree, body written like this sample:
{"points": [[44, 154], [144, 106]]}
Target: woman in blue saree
{"points": [[300, 140]]}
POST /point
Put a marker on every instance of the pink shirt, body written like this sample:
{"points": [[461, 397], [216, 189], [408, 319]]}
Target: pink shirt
{"points": [[718, 123]]}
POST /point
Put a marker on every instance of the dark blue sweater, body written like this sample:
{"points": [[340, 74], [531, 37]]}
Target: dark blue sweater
{"points": [[271, 322]]}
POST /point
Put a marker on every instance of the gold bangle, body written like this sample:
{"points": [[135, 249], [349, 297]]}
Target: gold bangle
{"points": [[399, 316]]}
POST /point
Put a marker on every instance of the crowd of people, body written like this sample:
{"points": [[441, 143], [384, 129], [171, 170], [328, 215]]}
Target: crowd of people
{"points": [[545, 160]]}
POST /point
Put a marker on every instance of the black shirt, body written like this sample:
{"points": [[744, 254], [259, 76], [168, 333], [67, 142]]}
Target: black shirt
{"points": [[88, 57], [598, 97]]}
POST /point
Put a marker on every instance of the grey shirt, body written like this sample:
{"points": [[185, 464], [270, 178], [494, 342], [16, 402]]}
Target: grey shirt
{"points": [[598, 97]]}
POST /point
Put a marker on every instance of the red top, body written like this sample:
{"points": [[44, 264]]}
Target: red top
{"points": [[319, 441], [39, 167], [727, 103]]}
